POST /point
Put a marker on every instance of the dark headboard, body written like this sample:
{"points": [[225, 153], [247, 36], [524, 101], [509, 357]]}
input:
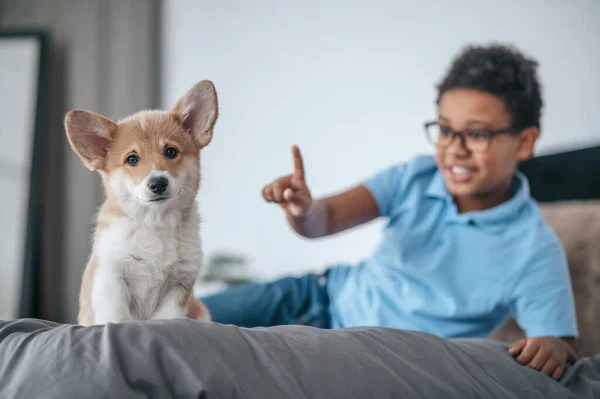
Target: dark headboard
{"points": [[570, 175]]}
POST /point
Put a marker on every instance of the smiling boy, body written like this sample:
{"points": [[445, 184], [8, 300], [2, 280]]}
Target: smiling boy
{"points": [[465, 245]]}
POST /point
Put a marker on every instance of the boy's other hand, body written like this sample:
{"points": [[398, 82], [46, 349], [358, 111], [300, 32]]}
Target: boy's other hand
{"points": [[548, 355], [291, 191]]}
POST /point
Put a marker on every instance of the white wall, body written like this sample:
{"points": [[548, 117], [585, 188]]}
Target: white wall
{"points": [[351, 83]]}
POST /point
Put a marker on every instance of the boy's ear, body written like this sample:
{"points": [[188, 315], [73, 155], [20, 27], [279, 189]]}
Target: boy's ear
{"points": [[527, 140], [198, 110], [90, 135]]}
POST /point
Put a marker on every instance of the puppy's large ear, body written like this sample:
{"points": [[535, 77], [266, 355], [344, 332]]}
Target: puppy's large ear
{"points": [[198, 110], [90, 135]]}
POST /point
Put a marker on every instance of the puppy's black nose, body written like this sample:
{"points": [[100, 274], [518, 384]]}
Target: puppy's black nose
{"points": [[158, 185]]}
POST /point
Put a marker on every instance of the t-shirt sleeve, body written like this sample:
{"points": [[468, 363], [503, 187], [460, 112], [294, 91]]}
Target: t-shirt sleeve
{"points": [[543, 302], [385, 187]]}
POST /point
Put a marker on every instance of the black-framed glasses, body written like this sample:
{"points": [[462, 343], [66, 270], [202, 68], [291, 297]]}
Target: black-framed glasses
{"points": [[475, 140]]}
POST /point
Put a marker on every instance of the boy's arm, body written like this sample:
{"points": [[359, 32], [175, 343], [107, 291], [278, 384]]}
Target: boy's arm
{"points": [[318, 218], [571, 341], [544, 307], [334, 214]]}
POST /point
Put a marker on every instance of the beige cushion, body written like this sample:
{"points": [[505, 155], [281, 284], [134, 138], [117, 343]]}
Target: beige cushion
{"points": [[577, 224]]}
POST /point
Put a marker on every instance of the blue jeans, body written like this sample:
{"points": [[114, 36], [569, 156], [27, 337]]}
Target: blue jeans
{"points": [[289, 300]]}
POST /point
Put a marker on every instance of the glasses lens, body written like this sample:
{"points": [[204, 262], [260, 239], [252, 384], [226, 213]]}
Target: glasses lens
{"points": [[438, 136], [442, 137], [477, 141], [433, 133]]}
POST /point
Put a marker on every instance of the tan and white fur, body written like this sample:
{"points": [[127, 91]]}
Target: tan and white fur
{"points": [[146, 253]]}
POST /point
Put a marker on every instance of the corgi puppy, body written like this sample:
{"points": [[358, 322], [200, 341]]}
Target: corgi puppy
{"points": [[146, 253]]}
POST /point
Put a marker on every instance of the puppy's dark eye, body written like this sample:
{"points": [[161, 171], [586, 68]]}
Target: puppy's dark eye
{"points": [[171, 152], [132, 160]]}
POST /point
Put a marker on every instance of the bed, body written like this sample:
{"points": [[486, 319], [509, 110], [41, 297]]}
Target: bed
{"points": [[189, 359]]}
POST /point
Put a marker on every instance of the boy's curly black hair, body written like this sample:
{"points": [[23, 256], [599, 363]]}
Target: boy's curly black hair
{"points": [[503, 71]]}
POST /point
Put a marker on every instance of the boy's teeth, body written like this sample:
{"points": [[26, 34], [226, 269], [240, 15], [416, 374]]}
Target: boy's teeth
{"points": [[459, 169]]}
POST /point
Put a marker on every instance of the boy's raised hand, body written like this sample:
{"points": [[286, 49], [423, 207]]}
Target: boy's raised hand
{"points": [[291, 191]]}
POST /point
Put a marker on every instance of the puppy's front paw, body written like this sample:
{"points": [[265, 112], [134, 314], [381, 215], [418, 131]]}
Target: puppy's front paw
{"points": [[101, 319], [168, 312], [196, 310]]}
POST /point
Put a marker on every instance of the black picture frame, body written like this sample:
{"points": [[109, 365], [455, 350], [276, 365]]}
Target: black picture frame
{"points": [[29, 302]]}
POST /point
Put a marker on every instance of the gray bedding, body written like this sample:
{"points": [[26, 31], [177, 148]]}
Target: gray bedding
{"points": [[188, 359]]}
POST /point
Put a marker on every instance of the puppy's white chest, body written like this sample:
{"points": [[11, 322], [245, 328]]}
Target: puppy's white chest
{"points": [[146, 263], [157, 248]]}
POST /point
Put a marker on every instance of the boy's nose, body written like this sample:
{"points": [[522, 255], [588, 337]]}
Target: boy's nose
{"points": [[458, 144], [158, 185]]}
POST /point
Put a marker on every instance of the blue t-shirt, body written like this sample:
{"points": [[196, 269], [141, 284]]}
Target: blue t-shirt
{"points": [[451, 274]]}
